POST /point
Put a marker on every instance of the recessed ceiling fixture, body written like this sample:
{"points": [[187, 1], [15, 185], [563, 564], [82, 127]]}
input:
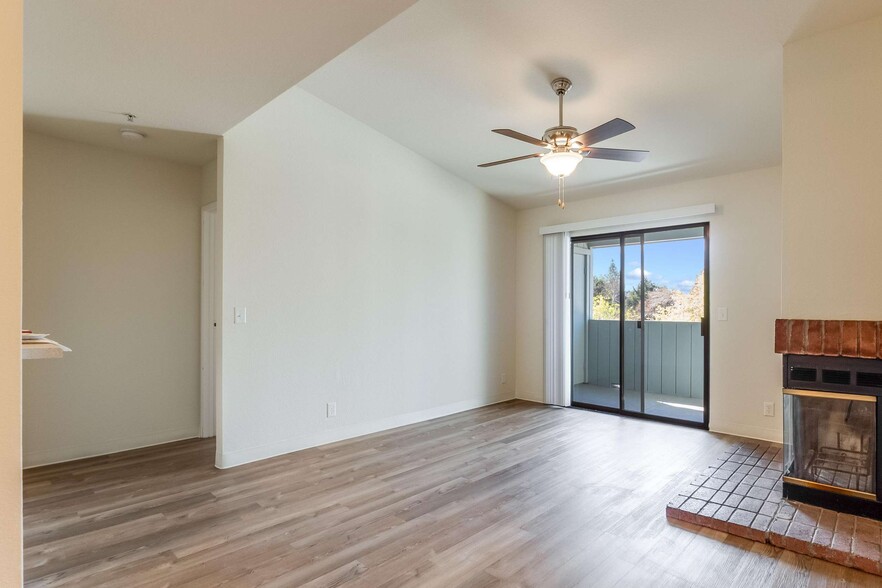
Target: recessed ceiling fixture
{"points": [[567, 147]]}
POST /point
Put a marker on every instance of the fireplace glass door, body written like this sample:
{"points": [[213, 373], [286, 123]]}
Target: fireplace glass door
{"points": [[830, 443]]}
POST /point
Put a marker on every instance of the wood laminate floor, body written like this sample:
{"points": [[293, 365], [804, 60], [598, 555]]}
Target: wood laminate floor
{"points": [[515, 494]]}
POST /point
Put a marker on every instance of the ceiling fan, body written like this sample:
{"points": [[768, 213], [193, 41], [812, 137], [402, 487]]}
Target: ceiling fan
{"points": [[567, 147]]}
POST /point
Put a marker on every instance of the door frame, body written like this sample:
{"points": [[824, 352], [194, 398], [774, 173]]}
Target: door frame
{"points": [[208, 323], [705, 326]]}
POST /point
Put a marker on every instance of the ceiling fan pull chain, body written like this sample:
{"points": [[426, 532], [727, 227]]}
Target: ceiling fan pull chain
{"points": [[560, 192]]}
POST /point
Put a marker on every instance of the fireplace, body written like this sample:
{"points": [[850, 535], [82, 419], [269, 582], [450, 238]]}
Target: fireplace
{"points": [[831, 431]]}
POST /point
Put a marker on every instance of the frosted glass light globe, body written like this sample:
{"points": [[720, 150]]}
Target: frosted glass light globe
{"points": [[560, 163]]}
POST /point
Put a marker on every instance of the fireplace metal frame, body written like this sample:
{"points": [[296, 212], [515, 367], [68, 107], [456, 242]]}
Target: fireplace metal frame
{"points": [[797, 383], [821, 485]]}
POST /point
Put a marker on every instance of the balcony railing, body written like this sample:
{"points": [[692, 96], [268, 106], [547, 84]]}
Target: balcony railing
{"points": [[673, 363]]}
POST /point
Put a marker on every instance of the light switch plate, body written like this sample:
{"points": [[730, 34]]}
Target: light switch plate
{"points": [[239, 315], [722, 313]]}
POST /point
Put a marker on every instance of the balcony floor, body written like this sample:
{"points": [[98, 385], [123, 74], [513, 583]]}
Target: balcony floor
{"points": [[664, 405]]}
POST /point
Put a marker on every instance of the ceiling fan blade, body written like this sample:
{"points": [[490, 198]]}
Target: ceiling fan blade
{"points": [[607, 130], [492, 163], [521, 137], [615, 154]]}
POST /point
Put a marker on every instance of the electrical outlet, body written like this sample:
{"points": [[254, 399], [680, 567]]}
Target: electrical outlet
{"points": [[332, 409], [502, 379], [768, 409]]}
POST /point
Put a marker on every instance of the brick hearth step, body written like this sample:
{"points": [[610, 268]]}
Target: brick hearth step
{"points": [[741, 493]]}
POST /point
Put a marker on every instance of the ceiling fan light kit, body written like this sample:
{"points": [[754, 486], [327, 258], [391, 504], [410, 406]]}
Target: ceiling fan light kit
{"points": [[567, 147], [560, 163]]}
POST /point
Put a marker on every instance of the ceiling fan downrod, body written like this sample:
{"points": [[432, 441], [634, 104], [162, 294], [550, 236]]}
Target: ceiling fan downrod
{"points": [[560, 138], [560, 86]]}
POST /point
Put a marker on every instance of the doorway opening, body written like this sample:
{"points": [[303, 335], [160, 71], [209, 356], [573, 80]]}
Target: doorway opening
{"points": [[640, 333]]}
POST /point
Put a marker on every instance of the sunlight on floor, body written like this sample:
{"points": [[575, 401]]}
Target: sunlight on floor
{"points": [[686, 406]]}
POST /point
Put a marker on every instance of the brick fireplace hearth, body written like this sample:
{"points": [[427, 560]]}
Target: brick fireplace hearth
{"points": [[740, 493], [819, 493]]}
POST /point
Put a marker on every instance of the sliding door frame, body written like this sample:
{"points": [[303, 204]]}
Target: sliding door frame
{"points": [[705, 324]]}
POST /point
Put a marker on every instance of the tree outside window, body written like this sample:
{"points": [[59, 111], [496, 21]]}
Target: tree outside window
{"points": [[661, 302]]}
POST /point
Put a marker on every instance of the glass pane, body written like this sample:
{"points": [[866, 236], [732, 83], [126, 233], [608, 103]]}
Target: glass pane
{"points": [[633, 348], [831, 441], [596, 308], [674, 305]]}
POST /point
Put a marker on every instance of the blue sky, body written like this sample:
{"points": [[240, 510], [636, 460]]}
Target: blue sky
{"points": [[668, 263]]}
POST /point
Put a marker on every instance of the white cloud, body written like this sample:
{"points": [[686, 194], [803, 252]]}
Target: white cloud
{"points": [[685, 285], [635, 273]]}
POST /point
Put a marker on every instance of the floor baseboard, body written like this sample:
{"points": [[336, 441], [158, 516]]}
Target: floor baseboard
{"points": [[239, 457], [44, 457]]}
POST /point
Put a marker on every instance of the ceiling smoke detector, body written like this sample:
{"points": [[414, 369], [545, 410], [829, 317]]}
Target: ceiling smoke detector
{"points": [[127, 133], [131, 135]]}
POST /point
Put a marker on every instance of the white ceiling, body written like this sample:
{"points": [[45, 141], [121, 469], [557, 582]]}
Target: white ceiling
{"points": [[193, 65], [701, 80]]}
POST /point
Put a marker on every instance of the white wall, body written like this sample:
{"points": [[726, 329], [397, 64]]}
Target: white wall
{"points": [[10, 292], [111, 269], [832, 179], [372, 278], [745, 277]]}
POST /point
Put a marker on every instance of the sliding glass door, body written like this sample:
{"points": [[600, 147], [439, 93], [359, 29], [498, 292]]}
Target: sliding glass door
{"points": [[595, 345], [639, 336]]}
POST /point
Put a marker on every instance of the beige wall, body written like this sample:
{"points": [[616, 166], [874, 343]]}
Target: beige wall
{"points": [[209, 182], [10, 292], [372, 278], [111, 269], [832, 178], [745, 277]]}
